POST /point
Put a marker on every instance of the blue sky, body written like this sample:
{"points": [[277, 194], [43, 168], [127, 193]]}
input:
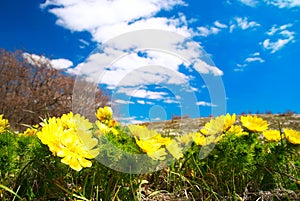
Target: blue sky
{"points": [[251, 46]]}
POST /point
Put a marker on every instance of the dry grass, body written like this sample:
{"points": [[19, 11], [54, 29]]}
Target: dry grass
{"points": [[185, 125]]}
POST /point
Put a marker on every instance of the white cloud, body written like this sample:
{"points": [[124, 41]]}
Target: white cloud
{"points": [[284, 3], [282, 37], [120, 101], [220, 25], [105, 19], [171, 101], [211, 30], [129, 120], [279, 29], [142, 102], [38, 60], [61, 63], [142, 93], [255, 57], [35, 59], [206, 31], [251, 3], [203, 103], [242, 23], [124, 31]]}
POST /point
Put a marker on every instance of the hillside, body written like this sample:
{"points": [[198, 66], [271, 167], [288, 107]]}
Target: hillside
{"points": [[183, 125]]}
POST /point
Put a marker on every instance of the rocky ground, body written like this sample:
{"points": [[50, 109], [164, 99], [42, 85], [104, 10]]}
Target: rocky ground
{"points": [[179, 125], [183, 125]]}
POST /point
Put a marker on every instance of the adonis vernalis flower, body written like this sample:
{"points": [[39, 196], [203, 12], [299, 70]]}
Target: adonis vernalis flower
{"points": [[229, 121], [292, 136], [152, 148], [71, 138], [152, 143], [174, 149], [254, 123], [214, 126], [3, 124], [237, 130], [104, 114], [105, 122], [219, 124], [31, 131], [199, 139], [272, 135], [186, 138]]}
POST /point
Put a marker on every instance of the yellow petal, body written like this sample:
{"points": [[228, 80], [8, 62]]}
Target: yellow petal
{"points": [[160, 154], [174, 149]]}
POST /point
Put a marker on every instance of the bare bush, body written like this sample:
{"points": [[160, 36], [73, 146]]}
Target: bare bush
{"points": [[32, 88]]}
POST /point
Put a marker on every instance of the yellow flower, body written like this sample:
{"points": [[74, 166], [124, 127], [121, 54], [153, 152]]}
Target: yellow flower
{"points": [[292, 136], [141, 131], [229, 121], [3, 124], [185, 138], [151, 142], [254, 123], [219, 124], [31, 131], [174, 149], [104, 114], [102, 128], [214, 126], [71, 138], [272, 135], [159, 154], [152, 148], [237, 130], [199, 139]]}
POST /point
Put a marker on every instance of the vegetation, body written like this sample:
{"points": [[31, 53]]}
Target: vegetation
{"points": [[69, 158], [50, 153], [31, 88]]}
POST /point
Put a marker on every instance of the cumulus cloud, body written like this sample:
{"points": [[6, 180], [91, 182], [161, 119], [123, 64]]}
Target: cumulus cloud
{"points": [[255, 57], [38, 60], [143, 93], [120, 101], [237, 23], [203, 103], [242, 23], [61, 63], [276, 3], [205, 31], [284, 3], [143, 102], [251, 3], [105, 19], [134, 52], [281, 37], [220, 25]]}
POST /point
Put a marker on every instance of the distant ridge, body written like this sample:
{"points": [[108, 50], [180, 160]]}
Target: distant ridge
{"points": [[183, 125]]}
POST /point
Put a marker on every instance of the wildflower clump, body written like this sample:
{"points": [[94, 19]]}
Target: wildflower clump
{"points": [[31, 131], [272, 135], [3, 124], [254, 123], [292, 136], [105, 122], [219, 124], [71, 138], [153, 144]]}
